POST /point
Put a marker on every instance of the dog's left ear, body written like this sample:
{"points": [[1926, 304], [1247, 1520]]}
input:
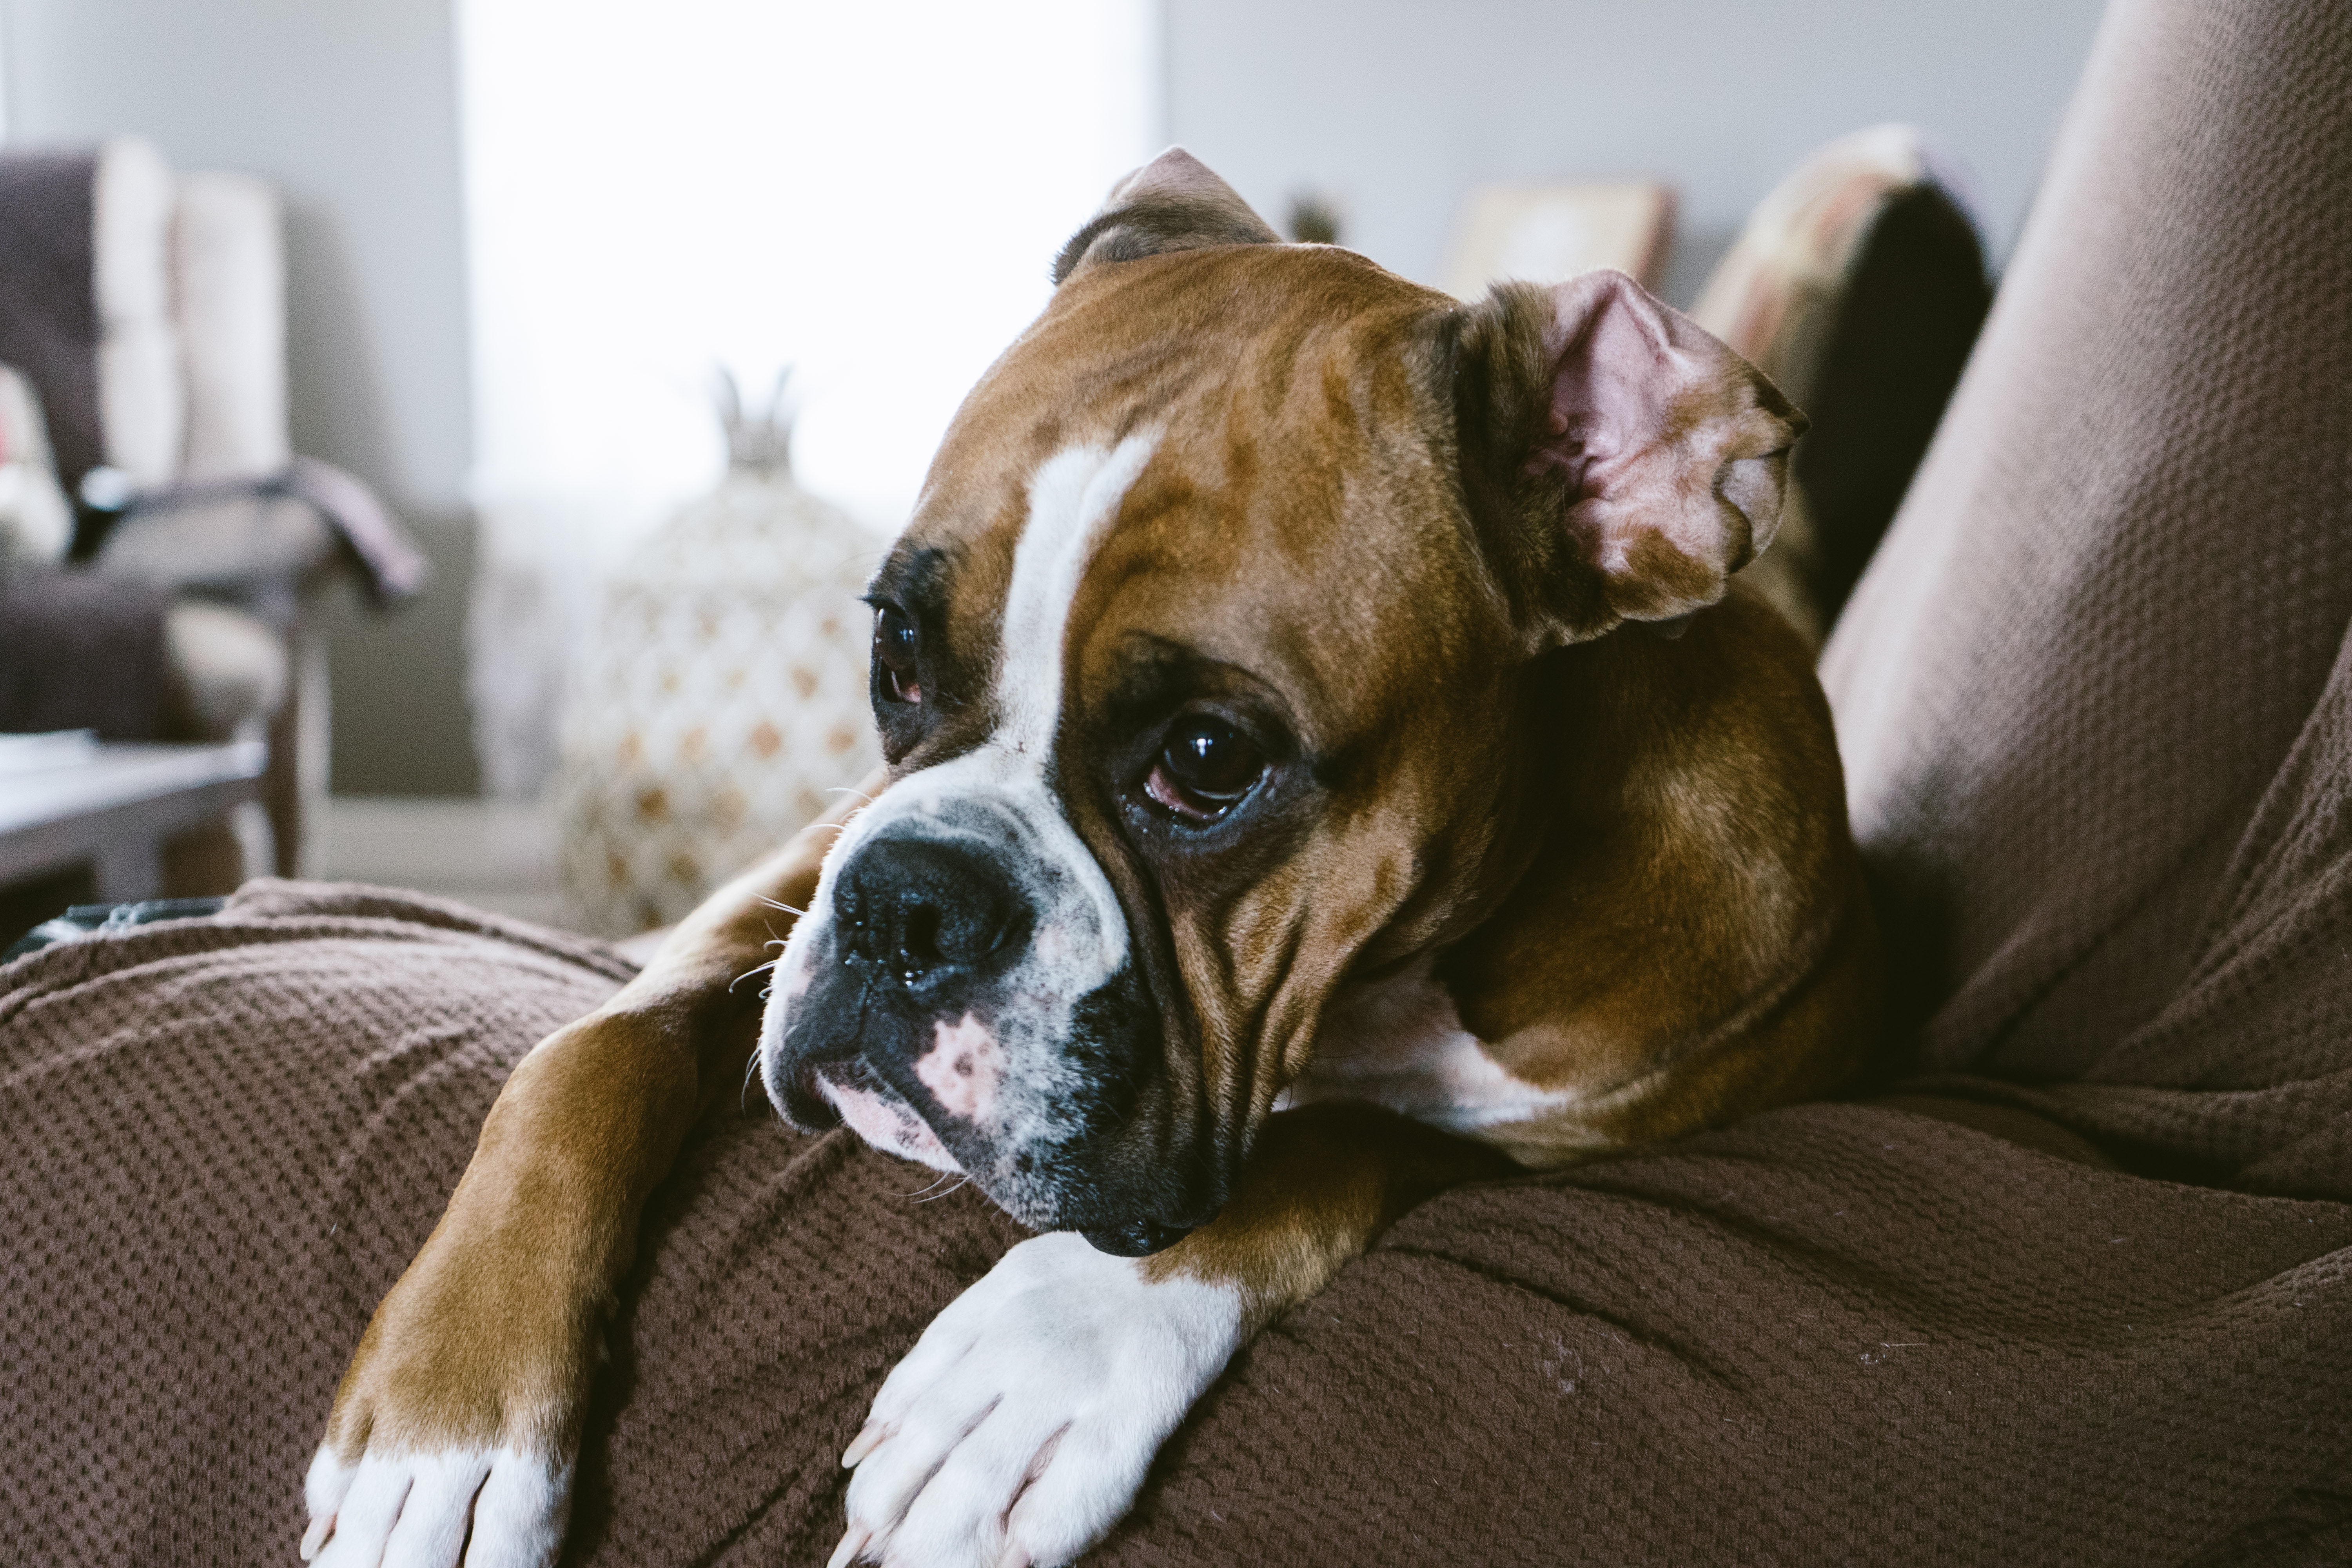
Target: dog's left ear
{"points": [[1623, 462], [1172, 202]]}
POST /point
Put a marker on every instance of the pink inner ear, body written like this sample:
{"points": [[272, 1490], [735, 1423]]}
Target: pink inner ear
{"points": [[1613, 380], [1670, 444]]}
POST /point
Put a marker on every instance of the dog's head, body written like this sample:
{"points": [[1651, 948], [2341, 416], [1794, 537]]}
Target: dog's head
{"points": [[1196, 669]]}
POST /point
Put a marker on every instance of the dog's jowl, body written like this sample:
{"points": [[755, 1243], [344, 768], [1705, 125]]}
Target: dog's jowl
{"points": [[1289, 813]]}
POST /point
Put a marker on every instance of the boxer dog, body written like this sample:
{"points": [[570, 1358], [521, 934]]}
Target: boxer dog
{"points": [[1292, 809]]}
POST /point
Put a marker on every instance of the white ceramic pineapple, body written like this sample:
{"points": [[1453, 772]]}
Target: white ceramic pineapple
{"points": [[723, 697]]}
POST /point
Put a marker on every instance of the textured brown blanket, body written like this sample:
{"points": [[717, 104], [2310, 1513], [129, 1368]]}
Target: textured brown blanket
{"points": [[2093, 691], [2099, 712], [1855, 1332], [1845, 1332]]}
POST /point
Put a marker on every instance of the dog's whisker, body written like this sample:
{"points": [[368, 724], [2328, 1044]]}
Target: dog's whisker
{"points": [[755, 969], [917, 1194], [743, 1095], [775, 904]]}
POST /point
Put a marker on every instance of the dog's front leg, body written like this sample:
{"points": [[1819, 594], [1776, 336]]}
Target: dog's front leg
{"points": [[1019, 1428], [462, 1407]]}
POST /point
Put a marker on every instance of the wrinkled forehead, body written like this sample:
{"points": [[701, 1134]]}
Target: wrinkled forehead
{"points": [[1182, 443]]}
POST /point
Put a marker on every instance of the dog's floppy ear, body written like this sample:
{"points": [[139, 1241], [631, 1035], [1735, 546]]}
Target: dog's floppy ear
{"points": [[1623, 463], [1172, 202]]}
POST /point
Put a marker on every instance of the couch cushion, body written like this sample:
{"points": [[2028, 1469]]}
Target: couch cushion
{"points": [[49, 326], [1858, 286], [228, 273], [36, 523], [83, 650]]}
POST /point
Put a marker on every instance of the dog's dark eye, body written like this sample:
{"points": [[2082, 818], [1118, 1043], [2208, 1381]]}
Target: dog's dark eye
{"points": [[1205, 768], [894, 655]]}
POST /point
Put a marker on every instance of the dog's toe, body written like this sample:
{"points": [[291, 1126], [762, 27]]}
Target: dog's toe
{"points": [[376, 1489], [431, 1530], [908, 1460], [959, 1515], [519, 1513], [323, 1490], [1082, 1490]]}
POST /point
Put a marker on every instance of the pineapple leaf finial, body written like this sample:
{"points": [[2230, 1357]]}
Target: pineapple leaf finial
{"points": [[762, 442]]}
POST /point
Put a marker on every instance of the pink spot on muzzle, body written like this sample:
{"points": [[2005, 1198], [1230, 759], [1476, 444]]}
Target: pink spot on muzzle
{"points": [[963, 1067]]}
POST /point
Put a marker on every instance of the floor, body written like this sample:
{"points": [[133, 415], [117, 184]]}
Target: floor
{"points": [[494, 855]]}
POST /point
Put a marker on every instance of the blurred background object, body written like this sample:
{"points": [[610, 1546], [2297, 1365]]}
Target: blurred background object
{"points": [[36, 521], [349, 114], [722, 700], [142, 319], [1549, 232], [1859, 286], [1313, 218], [1400, 106]]}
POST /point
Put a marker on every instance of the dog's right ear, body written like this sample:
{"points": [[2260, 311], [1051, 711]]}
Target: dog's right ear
{"points": [[1172, 202]]}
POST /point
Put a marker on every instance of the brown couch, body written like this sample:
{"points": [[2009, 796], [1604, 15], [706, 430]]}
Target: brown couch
{"points": [[2078, 1288]]}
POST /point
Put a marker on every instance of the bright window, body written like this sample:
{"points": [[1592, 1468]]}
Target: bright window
{"points": [[872, 192]]}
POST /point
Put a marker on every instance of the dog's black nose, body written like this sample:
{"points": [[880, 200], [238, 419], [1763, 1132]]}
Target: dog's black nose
{"points": [[919, 909], [1141, 1239]]}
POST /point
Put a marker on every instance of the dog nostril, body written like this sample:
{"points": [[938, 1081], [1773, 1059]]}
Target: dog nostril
{"points": [[918, 944]]}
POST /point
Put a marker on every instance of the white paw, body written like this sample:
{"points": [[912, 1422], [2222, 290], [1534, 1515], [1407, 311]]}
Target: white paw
{"points": [[1019, 1428], [412, 1510]]}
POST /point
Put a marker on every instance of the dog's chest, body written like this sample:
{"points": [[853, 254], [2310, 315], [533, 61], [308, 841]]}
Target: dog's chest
{"points": [[1399, 1043]]}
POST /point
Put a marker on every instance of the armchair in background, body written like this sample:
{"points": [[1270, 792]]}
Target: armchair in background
{"points": [[143, 322]]}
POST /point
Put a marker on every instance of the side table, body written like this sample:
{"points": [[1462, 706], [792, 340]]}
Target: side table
{"points": [[111, 808]]}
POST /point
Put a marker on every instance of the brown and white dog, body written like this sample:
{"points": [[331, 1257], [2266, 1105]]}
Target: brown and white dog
{"points": [[1278, 828]]}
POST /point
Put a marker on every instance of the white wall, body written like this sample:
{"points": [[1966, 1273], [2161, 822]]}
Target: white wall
{"points": [[351, 106], [1397, 106]]}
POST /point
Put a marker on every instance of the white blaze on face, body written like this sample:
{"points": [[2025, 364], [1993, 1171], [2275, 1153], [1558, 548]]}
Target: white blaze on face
{"points": [[1072, 501], [996, 798]]}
